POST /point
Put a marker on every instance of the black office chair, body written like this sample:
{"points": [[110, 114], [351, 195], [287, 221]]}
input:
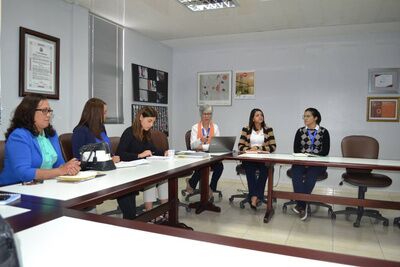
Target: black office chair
{"points": [[358, 146], [244, 194], [195, 191], [310, 204]]}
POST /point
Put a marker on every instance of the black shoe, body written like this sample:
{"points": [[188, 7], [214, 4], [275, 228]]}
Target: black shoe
{"points": [[253, 207]]}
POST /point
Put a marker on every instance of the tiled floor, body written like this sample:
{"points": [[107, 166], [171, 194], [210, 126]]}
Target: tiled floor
{"points": [[318, 232]]}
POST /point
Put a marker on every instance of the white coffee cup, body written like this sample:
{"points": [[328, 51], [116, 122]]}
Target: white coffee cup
{"points": [[171, 153]]}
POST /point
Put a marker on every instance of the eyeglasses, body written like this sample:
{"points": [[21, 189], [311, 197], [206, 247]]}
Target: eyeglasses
{"points": [[45, 111]]}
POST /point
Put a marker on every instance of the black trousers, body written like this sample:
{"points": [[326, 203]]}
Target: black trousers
{"points": [[127, 204]]}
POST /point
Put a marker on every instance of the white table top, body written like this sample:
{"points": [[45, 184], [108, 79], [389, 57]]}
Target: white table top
{"points": [[380, 162], [9, 211], [68, 241], [65, 191]]}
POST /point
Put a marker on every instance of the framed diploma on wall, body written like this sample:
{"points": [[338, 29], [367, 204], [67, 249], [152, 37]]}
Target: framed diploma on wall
{"points": [[39, 64]]}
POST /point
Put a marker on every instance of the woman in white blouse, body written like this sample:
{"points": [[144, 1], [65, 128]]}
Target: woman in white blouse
{"points": [[257, 137]]}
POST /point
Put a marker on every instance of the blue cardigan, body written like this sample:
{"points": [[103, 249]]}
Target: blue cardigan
{"points": [[83, 136], [23, 157]]}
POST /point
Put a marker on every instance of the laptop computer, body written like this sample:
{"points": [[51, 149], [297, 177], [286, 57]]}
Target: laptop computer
{"points": [[222, 144]]}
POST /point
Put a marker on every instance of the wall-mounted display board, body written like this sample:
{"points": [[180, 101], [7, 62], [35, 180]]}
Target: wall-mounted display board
{"points": [[149, 85]]}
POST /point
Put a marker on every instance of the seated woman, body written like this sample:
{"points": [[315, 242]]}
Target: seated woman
{"points": [[135, 143], [32, 150], [256, 137], [90, 129], [200, 138], [312, 139]]}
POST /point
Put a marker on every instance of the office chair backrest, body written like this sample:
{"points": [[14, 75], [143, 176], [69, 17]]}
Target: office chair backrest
{"points": [[114, 140], [2, 148], [187, 139], [159, 140], [66, 146], [360, 146]]}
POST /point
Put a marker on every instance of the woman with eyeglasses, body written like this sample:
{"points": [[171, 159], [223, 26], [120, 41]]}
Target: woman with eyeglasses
{"points": [[32, 150], [312, 139], [200, 138], [256, 137]]}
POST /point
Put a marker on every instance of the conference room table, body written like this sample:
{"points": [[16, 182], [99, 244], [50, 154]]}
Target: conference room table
{"points": [[119, 182], [338, 162], [55, 208], [67, 237]]}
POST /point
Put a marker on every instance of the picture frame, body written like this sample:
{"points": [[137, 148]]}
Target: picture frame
{"points": [[39, 64], [383, 81], [214, 88], [385, 109], [149, 85], [244, 85]]}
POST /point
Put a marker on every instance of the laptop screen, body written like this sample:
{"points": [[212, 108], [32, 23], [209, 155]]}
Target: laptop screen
{"points": [[222, 144]]}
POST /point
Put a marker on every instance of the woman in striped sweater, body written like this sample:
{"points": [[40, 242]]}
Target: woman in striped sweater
{"points": [[257, 137]]}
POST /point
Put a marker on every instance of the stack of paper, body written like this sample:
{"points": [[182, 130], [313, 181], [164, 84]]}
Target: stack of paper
{"points": [[133, 163], [80, 177], [192, 154], [157, 158], [304, 155]]}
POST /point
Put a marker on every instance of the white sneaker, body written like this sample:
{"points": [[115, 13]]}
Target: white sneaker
{"points": [[296, 209], [304, 214]]}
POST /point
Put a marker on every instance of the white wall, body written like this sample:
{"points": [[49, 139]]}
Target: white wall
{"points": [[69, 23], [53, 18], [146, 52], [326, 68]]}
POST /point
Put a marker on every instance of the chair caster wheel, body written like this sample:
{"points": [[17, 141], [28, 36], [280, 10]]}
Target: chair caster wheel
{"points": [[284, 209], [241, 205], [220, 195], [188, 209], [187, 198], [386, 223], [333, 216], [330, 212], [230, 199], [183, 192]]}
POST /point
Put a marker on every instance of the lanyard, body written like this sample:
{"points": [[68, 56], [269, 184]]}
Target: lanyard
{"points": [[312, 137], [205, 134]]}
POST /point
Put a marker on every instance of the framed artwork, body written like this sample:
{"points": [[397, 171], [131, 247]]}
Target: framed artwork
{"points": [[39, 64], [214, 88], [383, 81], [383, 109], [149, 85], [244, 85], [161, 122]]}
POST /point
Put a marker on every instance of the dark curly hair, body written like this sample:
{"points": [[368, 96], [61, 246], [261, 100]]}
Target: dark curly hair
{"points": [[24, 116]]}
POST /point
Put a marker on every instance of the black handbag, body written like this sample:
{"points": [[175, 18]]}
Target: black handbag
{"points": [[8, 251], [96, 157]]}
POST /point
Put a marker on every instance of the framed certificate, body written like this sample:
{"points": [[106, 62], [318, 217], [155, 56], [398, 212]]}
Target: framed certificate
{"points": [[39, 64]]}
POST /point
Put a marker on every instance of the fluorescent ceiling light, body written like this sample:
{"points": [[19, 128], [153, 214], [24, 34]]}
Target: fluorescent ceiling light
{"points": [[204, 5]]}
